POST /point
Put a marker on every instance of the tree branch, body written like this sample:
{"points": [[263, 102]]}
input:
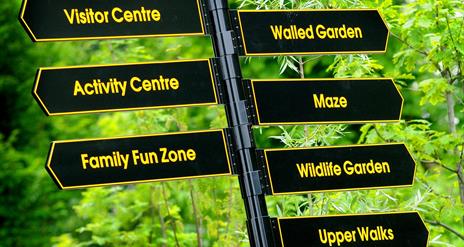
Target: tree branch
{"points": [[450, 229], [409, 45], [380, 135], [195, 214], [162, 224], [451, 113], [301, 67], [440, 164], [458, 54], [460, 173], [173, 222], [426, 54]]}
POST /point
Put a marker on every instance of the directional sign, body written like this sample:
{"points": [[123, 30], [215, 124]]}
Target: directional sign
{"points": [[85, 89], [300, 32], [313, 101], [404, 229], [303, 170], [54, 20], [115, 161]]}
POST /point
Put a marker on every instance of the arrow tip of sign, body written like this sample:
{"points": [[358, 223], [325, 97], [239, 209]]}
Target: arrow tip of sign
{"points": [[401, 97], [385, 23], [49, 168], [424, 226], [24, 23], [36, 95]]}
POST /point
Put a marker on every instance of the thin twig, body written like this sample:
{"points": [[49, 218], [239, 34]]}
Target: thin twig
{"points": [[380, 135], [152, 213], [229, 209], [301, 67], [449, 228], [458, 54], [195, 214], [173, 223], [162, 223], [409, 45], [460, 174], [312, 59]]}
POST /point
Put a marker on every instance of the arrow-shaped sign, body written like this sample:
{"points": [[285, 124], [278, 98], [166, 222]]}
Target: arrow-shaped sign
{"points": [[337, 168], [55, 20], [114, 161], [301, 32], [103, 88], [316, 101], [405, 229]]}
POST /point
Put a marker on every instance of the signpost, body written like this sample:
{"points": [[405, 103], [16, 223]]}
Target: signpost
{"points": [[305, 32], [404, 229], [316, 101], [57, 20], [148, 158], [91, 89], [304, 170], [161, 157]]}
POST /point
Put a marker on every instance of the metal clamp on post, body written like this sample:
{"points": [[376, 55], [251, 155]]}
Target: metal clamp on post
{"points": [[206, 17], [242, 126], [243, 143], [219, 82], [236, 26], [242, 117], [225, 64], [227, 42], [253, 188], [232, 152], [265, 181], [252, 115]]}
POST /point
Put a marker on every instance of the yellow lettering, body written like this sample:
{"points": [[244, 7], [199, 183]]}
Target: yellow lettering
{"points": [[88, 90], [69, 16], [114, 13], [135, 156], [320, 31], [84, 161], [78, 89], [322, 101], [191, 154], [132, 84], [319, 102], [163, 157], [303, 169]]}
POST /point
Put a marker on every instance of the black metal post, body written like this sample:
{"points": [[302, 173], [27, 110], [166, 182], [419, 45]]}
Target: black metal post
{"points": [[258, 222]]}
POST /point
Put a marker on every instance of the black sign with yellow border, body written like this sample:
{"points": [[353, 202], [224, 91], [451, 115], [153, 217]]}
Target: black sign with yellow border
{"points": [[91, 89], [318, 101], [405, 229], [57, 20], [338, 168], [87, 163], [304, 32]]}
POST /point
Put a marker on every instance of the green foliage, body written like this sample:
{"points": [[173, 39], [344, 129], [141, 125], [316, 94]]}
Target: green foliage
{"points": [[307, 136], [424, 57]]}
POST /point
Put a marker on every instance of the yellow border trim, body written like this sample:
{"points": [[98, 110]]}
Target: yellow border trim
{"points": [[336, 190], [55, 177], [348, 215], [323, 79], [35, 39], [309, 53], [44, 107]]}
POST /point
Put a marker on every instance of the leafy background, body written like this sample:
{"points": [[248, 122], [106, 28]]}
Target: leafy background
{"points": [[425, 57]]}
